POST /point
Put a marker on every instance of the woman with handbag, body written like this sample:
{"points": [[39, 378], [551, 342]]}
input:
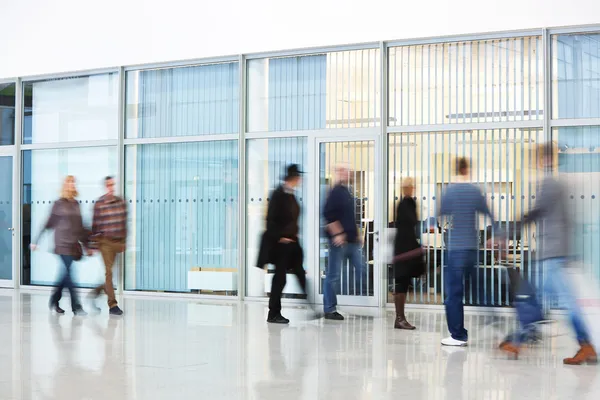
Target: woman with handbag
{"points": [[408, 254], [69, 235]]}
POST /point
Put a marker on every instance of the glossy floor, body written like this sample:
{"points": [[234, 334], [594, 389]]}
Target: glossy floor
{"points": [[180, 349]]}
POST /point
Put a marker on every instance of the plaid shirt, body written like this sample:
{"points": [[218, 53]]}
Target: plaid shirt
{"points": [[110, 218]]}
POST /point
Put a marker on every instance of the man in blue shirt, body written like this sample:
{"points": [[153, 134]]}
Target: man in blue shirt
{"points": [[344, 240], [462, 202]]}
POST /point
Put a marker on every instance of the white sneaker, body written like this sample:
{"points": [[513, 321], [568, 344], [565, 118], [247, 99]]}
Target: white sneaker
{"points": [[449, 341]]}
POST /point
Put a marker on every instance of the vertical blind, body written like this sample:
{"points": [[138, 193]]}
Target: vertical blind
{"points": [[504, 167], [466, 82], [199, 100], [183, 202], [333, 90]]}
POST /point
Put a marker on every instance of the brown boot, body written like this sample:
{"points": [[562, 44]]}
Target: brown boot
{"points": [[401, 322], [509, 349], [585, 355]]}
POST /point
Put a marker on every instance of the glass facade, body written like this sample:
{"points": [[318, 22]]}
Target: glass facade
{"points": [[576, 76], [183, 202], [466, 82], [321, 91], [503, 164], [189, 131], [266, 162], [43, 175], [191, 101], [71, 109]]}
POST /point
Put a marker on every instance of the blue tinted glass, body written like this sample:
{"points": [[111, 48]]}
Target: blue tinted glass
{"points": [[183, 202], [200, 100], [576, 76], [7, 113]]}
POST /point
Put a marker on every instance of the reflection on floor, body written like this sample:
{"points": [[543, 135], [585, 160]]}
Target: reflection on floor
{"points": [[186, 349]]}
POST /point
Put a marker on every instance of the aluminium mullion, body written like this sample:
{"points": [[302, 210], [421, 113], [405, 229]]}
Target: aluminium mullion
{"points": [[429, 86], [479, 300], [485, 218], [422, 83], [464, 83]]}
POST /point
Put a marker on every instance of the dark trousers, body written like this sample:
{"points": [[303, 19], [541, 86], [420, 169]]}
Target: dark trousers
{"points": [[288, 257], [461, 264], [66, 282]]}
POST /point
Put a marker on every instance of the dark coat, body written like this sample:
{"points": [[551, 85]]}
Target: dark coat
{"points": [[406, 240], [282, 222]]}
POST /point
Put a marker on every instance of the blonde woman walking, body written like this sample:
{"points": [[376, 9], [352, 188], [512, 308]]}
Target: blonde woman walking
{"points": [[69, 236]]}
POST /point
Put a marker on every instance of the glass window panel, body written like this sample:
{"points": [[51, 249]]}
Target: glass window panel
{"points": [[466, 82], [503, 164], [332, 90], [266, 163], [183, 201], [7, 114], [579, 167], [43, 175], [190, 101], [71, 109], [576, 76]]}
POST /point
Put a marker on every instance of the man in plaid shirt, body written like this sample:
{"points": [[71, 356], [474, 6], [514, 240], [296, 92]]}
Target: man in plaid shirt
{"points": [[109, 233]]}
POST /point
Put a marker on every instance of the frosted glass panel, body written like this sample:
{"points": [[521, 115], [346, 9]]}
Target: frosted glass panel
{"points": [[71, 109], [43, 175], [576, 76], [466, 82], [199, 100], [183, 217], [579, 166], [333, 90], [266, 163]]}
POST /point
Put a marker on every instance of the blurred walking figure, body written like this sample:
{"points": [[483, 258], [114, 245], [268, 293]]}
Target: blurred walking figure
{"points": [[554, 231], [279, 244], [109, 230], [69, 236], [462, 202], [408, 260], [344, 241]]}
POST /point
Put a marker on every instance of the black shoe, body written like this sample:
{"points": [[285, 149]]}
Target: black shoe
{"points": [[278, 319], [336, 316], [54, 307], [115, 311]]}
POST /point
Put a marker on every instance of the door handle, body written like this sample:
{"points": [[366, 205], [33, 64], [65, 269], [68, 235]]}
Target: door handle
{"points": [[11, 229]]}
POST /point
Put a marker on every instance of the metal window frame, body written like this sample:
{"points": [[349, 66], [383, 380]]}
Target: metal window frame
{"points": [[546, 123]]}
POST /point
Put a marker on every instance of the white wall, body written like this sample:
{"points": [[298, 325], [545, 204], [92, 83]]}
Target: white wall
{"points": [[41, 36]]}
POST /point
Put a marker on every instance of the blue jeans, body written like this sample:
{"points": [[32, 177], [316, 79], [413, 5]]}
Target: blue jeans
{"points": [[66, 282], [554, 282], [337, 255], [461, 264]]}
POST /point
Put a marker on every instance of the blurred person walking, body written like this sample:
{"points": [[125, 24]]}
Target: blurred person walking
{"points": [[462, 202], [279, 244], [69, 236], [408, 259], [344, 241], [554, 234], [109, 233]]}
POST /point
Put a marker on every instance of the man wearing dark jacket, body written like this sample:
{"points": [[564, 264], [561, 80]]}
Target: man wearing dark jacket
{"points": [[279, 245], [344, 241]]}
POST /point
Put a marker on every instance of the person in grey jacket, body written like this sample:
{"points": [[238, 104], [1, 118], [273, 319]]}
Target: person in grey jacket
{"points": [[554, 234], [69, 235]]}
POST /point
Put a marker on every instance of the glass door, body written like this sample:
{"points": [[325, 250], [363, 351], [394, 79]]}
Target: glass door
{"points": [[352, 164], [7, 224]]}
